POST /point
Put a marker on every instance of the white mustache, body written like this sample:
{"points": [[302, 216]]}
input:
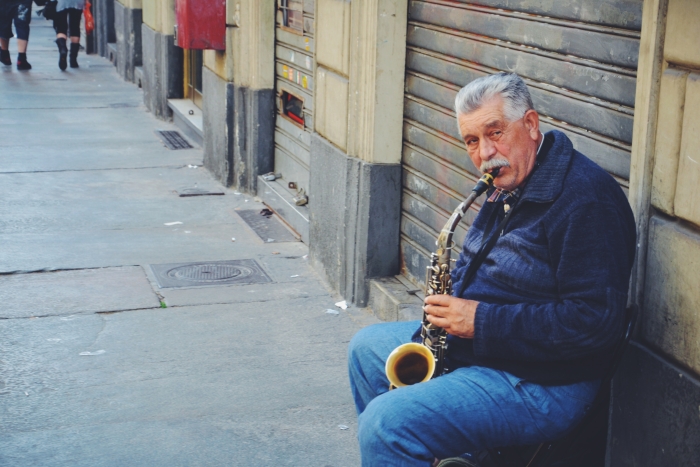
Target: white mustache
{"points": [[493, 163]]}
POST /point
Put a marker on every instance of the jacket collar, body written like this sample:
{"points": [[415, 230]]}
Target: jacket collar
{"points": [[547, 179]]}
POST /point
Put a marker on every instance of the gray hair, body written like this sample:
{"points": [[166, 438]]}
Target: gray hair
{"points": [[509, 86]]}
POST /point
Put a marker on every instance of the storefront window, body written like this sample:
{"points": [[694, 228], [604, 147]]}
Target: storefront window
{"points": [[193, 76], [292, 15]]}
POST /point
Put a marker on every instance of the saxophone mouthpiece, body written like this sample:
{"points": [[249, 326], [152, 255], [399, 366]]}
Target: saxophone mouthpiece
{"points": [[486, 181]]}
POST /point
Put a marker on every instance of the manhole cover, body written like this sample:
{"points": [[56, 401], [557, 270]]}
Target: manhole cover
{"points": [[242, 271], [173, 139]]}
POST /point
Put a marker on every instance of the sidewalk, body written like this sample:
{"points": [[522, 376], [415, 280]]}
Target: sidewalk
{"points": [[99, 366]]}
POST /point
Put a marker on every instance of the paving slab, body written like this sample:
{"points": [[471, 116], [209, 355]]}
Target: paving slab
{"points": [[71, 292], [130, 247], [44, 158], [60, 201], [256, 392]]}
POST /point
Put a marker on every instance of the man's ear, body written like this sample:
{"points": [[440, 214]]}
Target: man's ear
{"points": [[532, 122]]}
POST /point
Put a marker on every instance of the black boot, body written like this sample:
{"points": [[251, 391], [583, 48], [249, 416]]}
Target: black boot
{"points": [[74, 49], [5, 57], [62, 53], [22, 63]]}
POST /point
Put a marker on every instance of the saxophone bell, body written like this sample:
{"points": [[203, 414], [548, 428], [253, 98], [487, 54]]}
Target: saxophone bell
{"points": [[410, 364]]}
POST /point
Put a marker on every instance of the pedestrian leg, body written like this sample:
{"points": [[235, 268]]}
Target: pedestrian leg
{"points": [[22, 18], [5, 52], [60, 24], [74, 15]]}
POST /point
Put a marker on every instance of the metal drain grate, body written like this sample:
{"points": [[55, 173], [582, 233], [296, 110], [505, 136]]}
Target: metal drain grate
{"points": [[173, 139], [188, 192], [242, 271], [269, 228]]}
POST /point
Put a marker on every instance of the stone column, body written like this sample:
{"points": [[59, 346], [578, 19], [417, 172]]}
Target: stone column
{"points": [[355, 170], [162, 59], [127, 25], [239, 96]]}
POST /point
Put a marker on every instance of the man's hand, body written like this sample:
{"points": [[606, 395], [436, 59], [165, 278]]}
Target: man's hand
{"points": [[455, 315]]}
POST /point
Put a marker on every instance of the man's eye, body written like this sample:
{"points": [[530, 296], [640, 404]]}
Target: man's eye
{"points": [[471, 142]]}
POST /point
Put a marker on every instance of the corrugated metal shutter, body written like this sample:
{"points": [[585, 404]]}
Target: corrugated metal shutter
{"points": [[578, 58], [294, 62]]}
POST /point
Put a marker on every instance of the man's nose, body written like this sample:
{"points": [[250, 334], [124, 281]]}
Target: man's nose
{"points": [[487, 149]]}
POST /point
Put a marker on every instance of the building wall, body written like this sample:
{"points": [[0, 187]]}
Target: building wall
{"points": [[656, 418]]}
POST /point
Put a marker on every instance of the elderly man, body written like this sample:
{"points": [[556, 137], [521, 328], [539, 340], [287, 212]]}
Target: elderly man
{"points": [[531, 335]]}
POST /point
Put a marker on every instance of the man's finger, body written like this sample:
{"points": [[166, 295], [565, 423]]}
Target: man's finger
{"points": [[439, 299], [438, 321], [435, 310]]}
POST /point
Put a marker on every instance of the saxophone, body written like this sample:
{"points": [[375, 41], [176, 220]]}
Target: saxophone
{"points": [[413, 362]]}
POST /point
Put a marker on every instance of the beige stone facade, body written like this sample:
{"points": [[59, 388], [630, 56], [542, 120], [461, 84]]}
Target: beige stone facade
{"points": [[159, 15], [670, 294], [361, 51], [656, 396], [250, 40], [133, 4]]}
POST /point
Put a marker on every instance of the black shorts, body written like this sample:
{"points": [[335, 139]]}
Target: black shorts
{"points": [[19, 11], [68, 19]]}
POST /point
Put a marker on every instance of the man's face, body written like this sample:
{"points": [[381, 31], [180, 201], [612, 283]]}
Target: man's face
{"points": [[492, 141]]}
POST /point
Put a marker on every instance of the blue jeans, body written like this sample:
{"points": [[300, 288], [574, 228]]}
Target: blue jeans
{"points": [[467, 410]]}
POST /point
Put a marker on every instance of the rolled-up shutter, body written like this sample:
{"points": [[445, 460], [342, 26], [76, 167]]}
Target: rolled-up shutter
{"points": [[579, 60], [294, 84]]}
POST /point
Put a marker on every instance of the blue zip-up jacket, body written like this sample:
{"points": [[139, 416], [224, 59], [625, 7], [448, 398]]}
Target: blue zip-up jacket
{"points": [[553, 290]]}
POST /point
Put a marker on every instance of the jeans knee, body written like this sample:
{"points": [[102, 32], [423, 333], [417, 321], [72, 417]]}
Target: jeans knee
{"points": [[377, 427], [361, 344], [385, 426]]}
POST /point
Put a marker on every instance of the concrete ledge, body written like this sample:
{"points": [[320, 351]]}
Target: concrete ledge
{"points": [[190, 124], [275, 195], [391, 299]]}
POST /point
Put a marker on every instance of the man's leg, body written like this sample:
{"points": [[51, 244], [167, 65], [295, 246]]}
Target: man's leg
{"points": [[468, 410], [74, 16], [23, 17]]}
